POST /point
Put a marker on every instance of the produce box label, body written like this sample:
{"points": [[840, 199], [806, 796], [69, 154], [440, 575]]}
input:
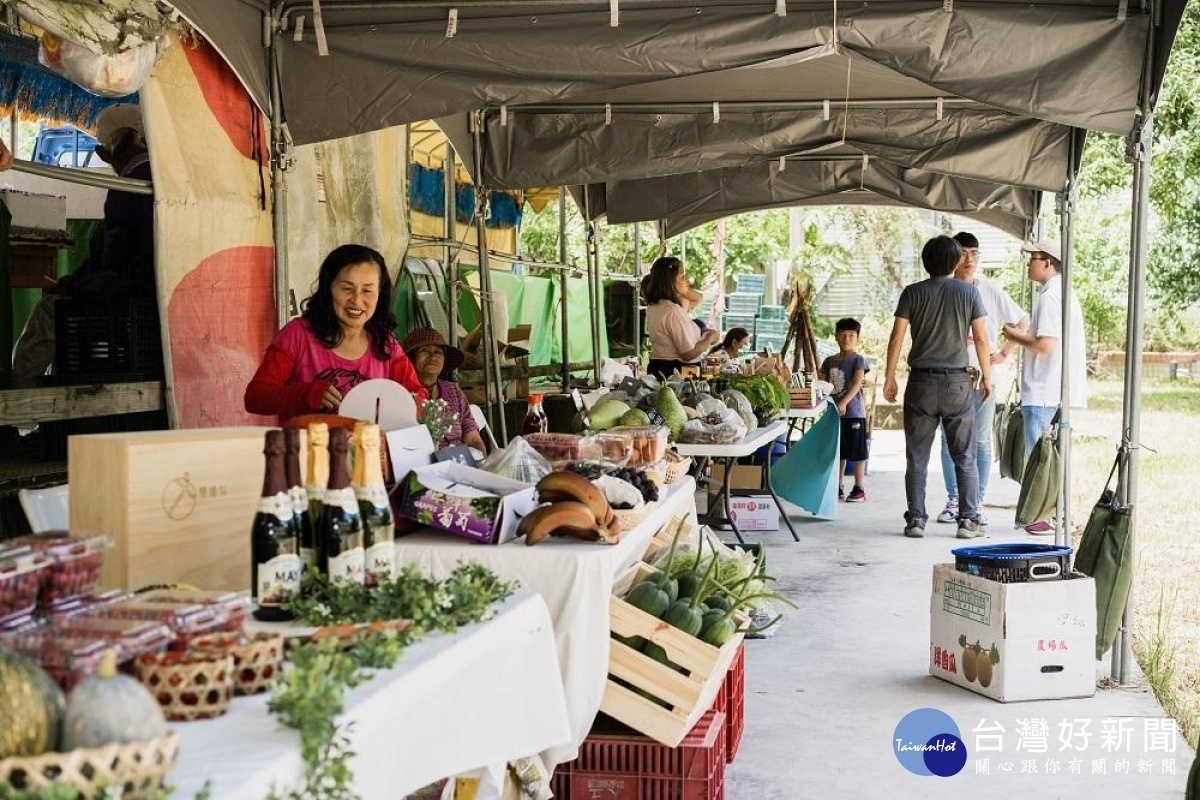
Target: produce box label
{"points": [[470, 517]]}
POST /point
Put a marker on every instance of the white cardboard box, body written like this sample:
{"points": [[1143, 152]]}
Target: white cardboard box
{"points": [[1038, 638], [756, 512]]}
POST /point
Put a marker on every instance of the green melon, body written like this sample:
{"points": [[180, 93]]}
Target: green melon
{"points": [[31, 705], [634, 417]]}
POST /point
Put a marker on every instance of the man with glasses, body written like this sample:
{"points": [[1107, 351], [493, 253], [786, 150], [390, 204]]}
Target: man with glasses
{"points": [[1041, 376], [1000, 308]]}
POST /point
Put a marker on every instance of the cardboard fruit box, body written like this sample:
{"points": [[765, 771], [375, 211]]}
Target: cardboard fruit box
{"points": [[1013, 641], [680, 697]]}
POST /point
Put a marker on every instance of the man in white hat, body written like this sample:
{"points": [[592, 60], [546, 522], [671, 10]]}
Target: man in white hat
{"points": [[121, 256], [1041, 375]]}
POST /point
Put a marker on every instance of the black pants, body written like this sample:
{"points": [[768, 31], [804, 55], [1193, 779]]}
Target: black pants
{"points": [[663, 367], [933, 399]]}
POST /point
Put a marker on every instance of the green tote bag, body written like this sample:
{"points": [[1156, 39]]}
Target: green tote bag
{"points": [[1105, 553], [1041, 479]]}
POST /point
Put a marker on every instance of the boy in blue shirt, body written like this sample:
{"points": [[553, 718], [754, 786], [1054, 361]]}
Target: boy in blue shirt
{"points": [[846, 371]]}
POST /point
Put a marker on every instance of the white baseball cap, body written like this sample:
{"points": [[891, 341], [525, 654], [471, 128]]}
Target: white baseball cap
{"points": [[1046, 246], [116, 117]]}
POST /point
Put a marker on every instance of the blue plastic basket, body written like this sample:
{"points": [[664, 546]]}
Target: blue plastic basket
{"points": [[1015, 562]]}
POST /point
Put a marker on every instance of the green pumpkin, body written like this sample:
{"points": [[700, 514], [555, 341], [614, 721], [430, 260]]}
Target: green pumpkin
{"points": [[111, 708], [31, 705]]}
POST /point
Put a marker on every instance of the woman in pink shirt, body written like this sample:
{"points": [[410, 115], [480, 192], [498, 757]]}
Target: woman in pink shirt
{"points": [[342, 338]]}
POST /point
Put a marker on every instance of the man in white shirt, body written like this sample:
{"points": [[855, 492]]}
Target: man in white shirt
{"points": [[1041, 376], [1000, 309]]}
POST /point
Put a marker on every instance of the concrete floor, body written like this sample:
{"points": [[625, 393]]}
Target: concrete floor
{"points": [[824, 695]]}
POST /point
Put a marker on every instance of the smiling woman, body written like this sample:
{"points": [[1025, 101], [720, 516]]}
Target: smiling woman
{"points": [[343, 338]]}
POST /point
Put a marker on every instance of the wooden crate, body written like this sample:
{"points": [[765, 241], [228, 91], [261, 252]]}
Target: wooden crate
{"points": [[689, 693], [178, 505]]}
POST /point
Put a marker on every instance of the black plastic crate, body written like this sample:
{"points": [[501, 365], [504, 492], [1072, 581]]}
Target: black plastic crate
{"points": [[107, 339], [1015, 563]]}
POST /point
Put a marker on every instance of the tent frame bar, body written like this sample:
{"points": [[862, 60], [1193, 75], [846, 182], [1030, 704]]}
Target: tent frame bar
{"points": [[738, 105], [83, 177]]}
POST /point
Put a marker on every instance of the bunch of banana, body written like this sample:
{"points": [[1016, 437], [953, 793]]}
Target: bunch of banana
{"points": [[571, 506]]}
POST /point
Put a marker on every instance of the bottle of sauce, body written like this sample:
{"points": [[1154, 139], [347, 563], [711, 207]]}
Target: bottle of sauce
{"points": [[301, 518], [275, 549], [536, 420], [340, 554], [314, 489], [379, 528]]}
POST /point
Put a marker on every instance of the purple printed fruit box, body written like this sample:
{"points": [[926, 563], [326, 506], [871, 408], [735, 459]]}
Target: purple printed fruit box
{"points": [[467, 502]]}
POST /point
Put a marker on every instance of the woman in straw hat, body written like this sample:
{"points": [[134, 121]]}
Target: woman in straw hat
{"points": [[433, 359]]}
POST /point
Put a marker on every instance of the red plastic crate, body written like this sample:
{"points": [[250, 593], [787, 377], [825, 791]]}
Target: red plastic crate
{"points": [[629, 766], [733, 699]]}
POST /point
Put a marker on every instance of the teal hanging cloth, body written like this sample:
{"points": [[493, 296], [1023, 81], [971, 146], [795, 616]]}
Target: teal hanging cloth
{"points": [[807, 473]]}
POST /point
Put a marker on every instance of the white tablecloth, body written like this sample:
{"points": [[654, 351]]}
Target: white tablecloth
{"points": [[488, 694], [575, 579]]}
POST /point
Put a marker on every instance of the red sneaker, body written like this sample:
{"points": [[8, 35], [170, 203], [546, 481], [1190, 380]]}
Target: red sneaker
{"points": [[1043, 528], [857, 495]]}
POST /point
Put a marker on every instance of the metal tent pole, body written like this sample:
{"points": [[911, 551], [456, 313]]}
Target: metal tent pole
{"points": [[1068, 199], [637, 292], [597, 320], [592, 269], [281, 161], [565, 278], [491, 361], [1137, 151], [449, 221]]}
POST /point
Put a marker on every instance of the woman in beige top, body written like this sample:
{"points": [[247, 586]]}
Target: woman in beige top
{"points": [[675, 339]]}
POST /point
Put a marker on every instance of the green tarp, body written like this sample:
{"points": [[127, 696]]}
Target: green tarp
{"points": [[532, 301], [23, 300]]}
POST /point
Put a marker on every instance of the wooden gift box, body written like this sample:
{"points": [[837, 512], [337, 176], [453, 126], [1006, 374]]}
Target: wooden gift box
{"points": [[178, 505]]}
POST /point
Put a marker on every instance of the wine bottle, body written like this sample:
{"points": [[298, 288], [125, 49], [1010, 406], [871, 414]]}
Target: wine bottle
{"points": [[301, 518], [314, 488], [379, 528], [340, 534], [275, 550]]}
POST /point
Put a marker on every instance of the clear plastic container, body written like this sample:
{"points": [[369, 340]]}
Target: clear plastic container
{"points": [[75, 562], [66, 656], [231, 607], [184, 621], [22, 571], [130, 637], [556, 446], [613, 447], [649, 443]]}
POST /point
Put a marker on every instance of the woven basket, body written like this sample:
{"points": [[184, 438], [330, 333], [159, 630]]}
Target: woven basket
{"points": [[257, 658], [139, 768], [677, 470], [189, 685], [630, 518]]}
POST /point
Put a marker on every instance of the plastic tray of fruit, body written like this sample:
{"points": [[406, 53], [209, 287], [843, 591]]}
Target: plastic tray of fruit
{"points": [[649, 442], [231, 607], [21, 575], [75, 562], [66, 656], [184, 621], [556, 446], [130, 637]]}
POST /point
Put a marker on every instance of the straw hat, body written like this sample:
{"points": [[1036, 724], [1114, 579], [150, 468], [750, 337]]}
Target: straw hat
{"points": [[421, 337]]}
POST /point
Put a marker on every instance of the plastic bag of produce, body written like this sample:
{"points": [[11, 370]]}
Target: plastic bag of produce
{"points": [[719, 427], [518, 461]]}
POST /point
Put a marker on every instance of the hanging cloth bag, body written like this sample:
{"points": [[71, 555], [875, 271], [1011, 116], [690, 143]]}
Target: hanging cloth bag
{"points": [[1041, 479], [1105, 554], [1012, 448]]}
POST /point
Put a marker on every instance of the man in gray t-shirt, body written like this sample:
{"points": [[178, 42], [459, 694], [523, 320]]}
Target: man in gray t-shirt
{"points": [[942, 314]]}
